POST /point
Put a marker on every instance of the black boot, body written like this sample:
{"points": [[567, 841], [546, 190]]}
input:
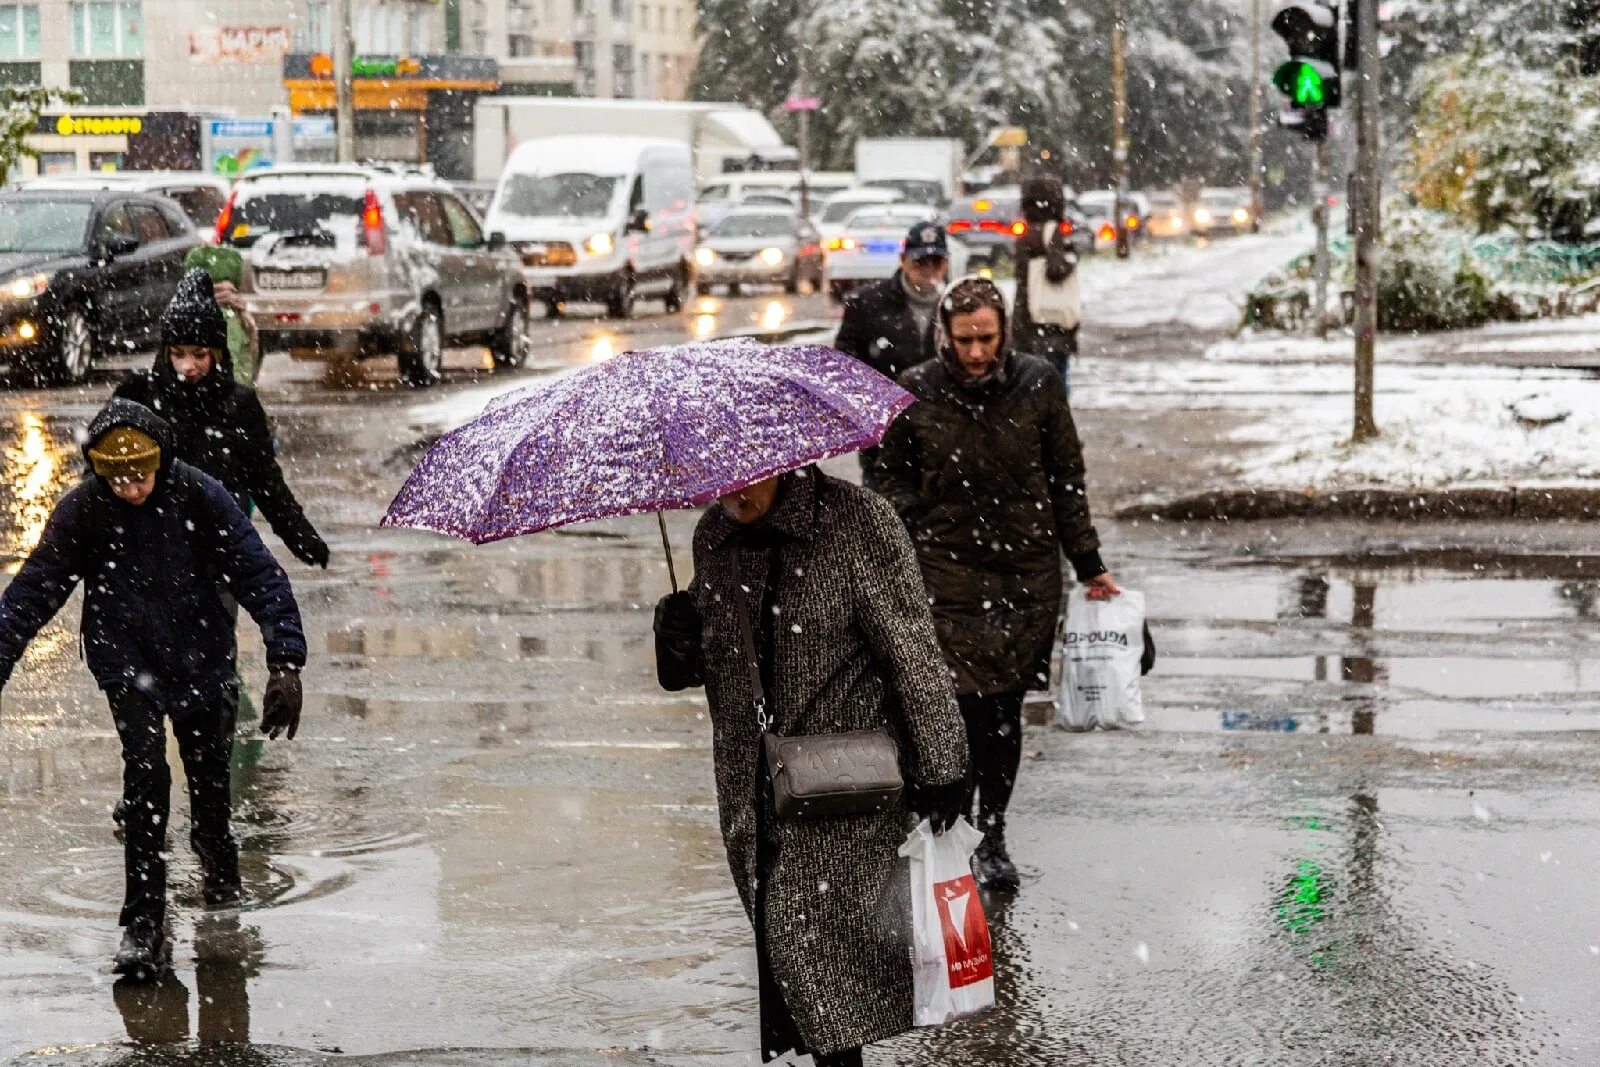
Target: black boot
{"points": [[991, 863], [144, 951]]}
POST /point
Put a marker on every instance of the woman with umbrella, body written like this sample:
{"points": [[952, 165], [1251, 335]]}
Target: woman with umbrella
{"points": [[807, 616], [844, 643]]}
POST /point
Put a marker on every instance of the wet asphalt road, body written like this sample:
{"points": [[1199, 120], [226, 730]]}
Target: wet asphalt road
{"points": [[1361, 826]]}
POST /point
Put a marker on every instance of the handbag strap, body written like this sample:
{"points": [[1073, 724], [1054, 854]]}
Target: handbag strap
{"points": [[752, 660]]}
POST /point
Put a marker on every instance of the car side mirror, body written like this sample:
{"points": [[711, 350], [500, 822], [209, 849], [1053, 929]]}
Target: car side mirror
{"points": [[497, 241], [639, 221], [119, 244]]}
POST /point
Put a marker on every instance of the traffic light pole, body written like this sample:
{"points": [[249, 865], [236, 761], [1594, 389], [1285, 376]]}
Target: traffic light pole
{"points": [[1368, 196], [1319, 217], [1257, 207], [1119, 126]]}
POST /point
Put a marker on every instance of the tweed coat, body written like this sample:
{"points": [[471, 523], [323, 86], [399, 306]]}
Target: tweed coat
{"points": [[852, 647], [989, 480]]}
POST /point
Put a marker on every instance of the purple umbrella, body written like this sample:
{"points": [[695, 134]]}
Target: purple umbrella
{"points": [[661, 429]]}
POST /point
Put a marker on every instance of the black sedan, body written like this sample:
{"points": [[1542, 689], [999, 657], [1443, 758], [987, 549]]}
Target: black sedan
{"points": [[84, 273]]}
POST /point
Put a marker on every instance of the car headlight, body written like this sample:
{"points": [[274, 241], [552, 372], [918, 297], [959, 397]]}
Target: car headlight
{"points": [[1241, 215], [704, 257], [27, 286], [772, 257], [600, 244], [1201, 216]]}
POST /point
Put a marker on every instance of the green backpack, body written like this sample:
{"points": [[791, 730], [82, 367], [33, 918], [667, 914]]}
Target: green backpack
{"points": [[226, 265]]}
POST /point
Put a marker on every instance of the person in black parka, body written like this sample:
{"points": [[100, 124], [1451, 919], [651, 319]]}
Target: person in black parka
{"points": [[155, 542], [218, 425]]}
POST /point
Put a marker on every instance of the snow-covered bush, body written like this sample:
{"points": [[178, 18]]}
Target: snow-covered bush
{"points": [[1428, 278]]}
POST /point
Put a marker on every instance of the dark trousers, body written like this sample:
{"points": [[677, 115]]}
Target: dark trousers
{"points": [[994, 739], [205, 741]]}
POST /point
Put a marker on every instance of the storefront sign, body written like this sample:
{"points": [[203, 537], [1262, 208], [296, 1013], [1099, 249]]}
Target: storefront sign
{"points": [[368, 66], [239, 44], [92, 125]]}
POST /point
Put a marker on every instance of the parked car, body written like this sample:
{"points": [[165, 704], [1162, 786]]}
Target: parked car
{"points": [[760, 246], [1167, 219], [85, 272], [869, 246], [364, 260], [605, 219], [200, 195], [1224, 210], [831, 214], [478, 195]]}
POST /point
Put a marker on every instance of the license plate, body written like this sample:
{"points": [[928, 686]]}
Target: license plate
{"points": [[274, 281]]}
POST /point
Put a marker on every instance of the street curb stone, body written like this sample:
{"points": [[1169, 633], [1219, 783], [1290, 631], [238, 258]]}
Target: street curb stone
{"points": [[1459, 502]]}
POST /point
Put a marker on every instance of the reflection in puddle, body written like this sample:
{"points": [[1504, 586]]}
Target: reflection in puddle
{"points": [[774, 314], [705, 326], [33, 465]]}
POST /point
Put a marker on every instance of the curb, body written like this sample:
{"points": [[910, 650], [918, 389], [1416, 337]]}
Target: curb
{"points": [[1406, 505], [782, 333]]}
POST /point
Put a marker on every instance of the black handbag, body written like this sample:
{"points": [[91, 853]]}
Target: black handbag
{"points": [[818, 775]]}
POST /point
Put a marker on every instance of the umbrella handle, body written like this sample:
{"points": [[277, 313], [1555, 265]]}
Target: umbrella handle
{"points": [[672, 572]]}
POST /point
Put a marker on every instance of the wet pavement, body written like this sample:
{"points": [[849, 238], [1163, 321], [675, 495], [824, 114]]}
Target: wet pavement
{"points": [[1360, 827]]}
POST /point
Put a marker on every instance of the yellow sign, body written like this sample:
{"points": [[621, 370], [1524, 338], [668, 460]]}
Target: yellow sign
{"points": [[98, 125], [1010, 137]]}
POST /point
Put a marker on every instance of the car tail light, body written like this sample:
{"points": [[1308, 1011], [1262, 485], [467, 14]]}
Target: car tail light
{"points": [[960, 226], [1019, 228], [1108, 232], [1133, 222], [225, 217], [372, 225], [992, 226], [1066, 227], [981, 205]]}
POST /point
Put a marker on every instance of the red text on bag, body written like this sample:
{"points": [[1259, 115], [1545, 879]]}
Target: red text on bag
{"points": [[966, 931]]}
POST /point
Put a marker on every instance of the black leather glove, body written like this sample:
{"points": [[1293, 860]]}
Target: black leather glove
{"points": [[941, 805], [1147, 658], [280, 707]]}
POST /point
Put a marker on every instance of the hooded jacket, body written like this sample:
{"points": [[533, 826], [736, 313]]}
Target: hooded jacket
{"points": [[153, 615], [988, 477], [219, 425]]}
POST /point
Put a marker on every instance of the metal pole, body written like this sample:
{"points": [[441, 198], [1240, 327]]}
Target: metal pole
{"points": [[1319, 216], [805, 119], [344, 51], [1119, 123], [1368, 194], [1257, 200]]}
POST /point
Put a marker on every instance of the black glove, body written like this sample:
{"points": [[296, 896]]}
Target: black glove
{"points": [[941, 805], [678, 653], [1147, 658], [280, 707], [311, 549]]}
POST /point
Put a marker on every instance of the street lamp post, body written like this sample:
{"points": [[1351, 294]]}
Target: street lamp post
{"points": [[1119, 125], [343, 83]]}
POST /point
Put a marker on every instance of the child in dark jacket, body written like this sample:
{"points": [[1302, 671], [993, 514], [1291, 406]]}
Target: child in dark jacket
{"points": [[155, 542]]}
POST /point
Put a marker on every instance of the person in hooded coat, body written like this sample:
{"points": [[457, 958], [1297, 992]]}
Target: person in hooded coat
{"points": [[152, 539], [840, 619], [987, 474], [218, 424], [1044, 204]]}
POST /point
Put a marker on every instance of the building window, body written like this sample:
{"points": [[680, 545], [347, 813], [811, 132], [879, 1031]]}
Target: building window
{"points": [[622, 83], [421, 32], [621, 10], [108, 82], [520, 45], [583, 7], [19, 31], [317, 33], [107, 28]]}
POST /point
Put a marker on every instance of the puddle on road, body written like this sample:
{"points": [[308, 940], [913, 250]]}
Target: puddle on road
{"points": [[1379, 645]]}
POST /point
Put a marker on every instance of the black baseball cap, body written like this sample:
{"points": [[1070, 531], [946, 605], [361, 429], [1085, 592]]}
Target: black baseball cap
{"points": [[927, 241]]}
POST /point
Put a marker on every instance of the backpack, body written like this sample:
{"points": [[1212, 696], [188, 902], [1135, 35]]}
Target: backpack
{"points": [[1053, 303]]}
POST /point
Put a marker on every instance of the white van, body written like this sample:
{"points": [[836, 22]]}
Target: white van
{"points": [[604, 219]]}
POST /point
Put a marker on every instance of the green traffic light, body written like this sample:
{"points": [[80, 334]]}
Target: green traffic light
{"points": [[1309, 90]]}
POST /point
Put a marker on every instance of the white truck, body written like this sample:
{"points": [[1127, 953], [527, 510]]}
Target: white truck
{"points": [[924, 169], [716, 133]]}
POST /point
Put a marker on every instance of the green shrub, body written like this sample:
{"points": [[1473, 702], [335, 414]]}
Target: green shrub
{"points": [[1428, 280]]}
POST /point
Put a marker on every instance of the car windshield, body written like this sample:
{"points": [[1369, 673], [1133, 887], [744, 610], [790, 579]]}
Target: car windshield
{"points": [[839, 210], [754, 226], [883, 220], [266, 212], [43, 225], [570, 196], [1220, 198]]}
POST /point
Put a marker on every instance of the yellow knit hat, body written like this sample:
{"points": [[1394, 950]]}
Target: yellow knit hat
{"points": [[125, 454]]}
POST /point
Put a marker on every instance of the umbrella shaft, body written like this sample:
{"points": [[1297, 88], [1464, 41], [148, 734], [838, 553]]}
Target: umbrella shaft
{"points": [[672, 572]]}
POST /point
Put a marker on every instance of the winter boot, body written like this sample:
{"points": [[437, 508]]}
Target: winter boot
{"points": [[991, 863], [144, 952]]}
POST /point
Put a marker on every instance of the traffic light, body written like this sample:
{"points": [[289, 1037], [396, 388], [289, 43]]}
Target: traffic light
{"points": [[1310, 78]]}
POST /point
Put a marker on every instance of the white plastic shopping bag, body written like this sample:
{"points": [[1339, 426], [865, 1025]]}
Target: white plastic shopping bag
{"points": [[1053, 303], [1100, 653], [953, 969]]}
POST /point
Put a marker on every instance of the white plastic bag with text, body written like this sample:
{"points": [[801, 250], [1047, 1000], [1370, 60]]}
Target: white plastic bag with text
{"points": [[953, 967], [1100, 652]]}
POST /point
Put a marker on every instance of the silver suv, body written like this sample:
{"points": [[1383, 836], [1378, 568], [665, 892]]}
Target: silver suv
{"points": [[360, 260]]}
